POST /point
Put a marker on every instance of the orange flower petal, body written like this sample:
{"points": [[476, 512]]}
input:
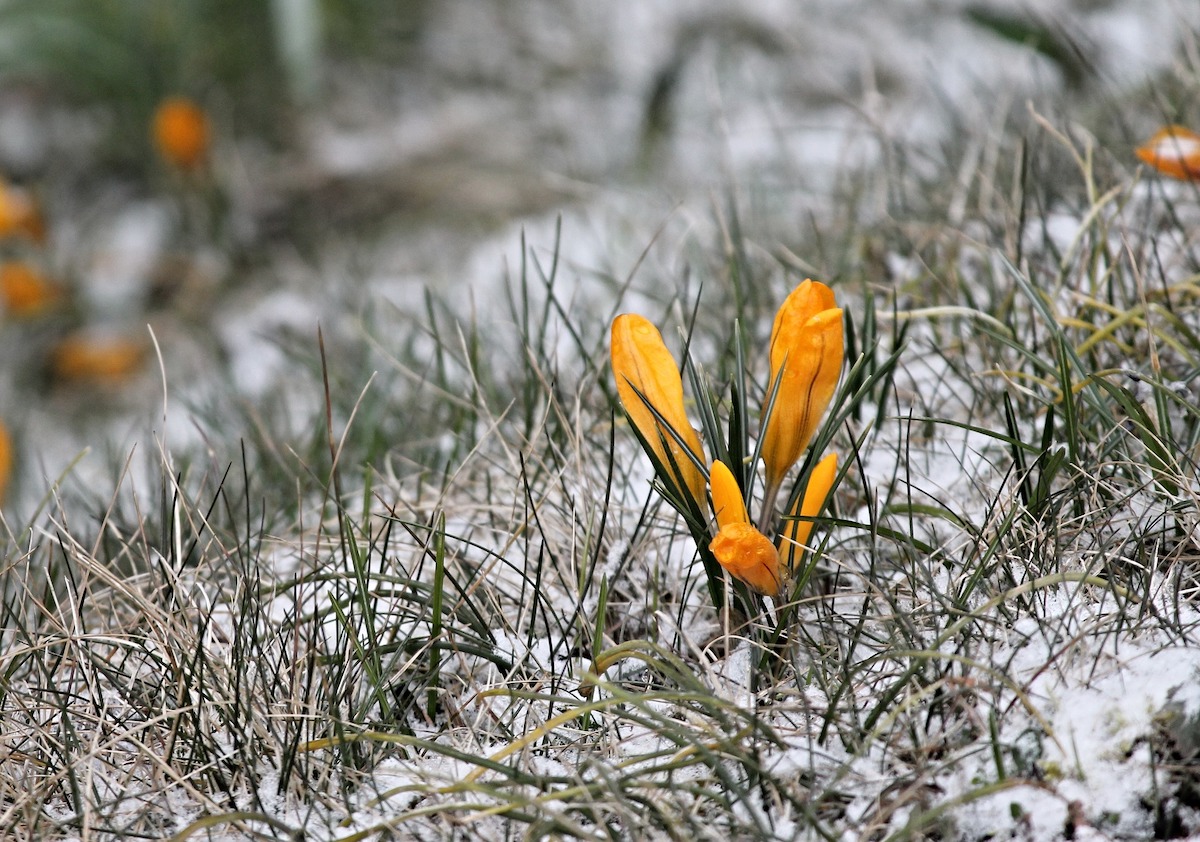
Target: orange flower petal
{"points": [[642, 363], [750, 556], [795, 534], [1173, 151], [181, 132]]}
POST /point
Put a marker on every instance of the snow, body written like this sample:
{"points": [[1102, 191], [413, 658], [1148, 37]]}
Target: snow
{"points": [[1099, 711]]}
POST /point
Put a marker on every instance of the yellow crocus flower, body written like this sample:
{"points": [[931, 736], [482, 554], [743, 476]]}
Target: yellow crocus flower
{"points": [[807, 348], [740, 548], [642, 364], [796, 531]]}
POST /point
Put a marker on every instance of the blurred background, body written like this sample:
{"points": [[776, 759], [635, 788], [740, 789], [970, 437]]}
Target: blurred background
{"points": [[190, 187]]}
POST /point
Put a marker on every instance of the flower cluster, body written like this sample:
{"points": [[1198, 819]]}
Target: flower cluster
{"points": [[806, 355]]}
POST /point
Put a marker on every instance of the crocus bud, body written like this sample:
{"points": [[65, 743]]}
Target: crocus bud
{"points": [[1173, 151], [181, 132], [750, 556], [741, 549], [807, 348], [795, 533], [642, 364]]}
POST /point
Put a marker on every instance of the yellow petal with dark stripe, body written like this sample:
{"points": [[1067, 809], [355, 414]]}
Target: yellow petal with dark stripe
{"points": [[807, 350]]}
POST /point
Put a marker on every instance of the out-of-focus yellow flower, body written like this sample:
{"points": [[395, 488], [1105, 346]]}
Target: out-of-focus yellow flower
{"points": [[807, 348], [20, 214], [642, 364], [181, 132], [1173, 151], [796, 532], [25, 291], [741, 549], [6, 460], [98, 359]]}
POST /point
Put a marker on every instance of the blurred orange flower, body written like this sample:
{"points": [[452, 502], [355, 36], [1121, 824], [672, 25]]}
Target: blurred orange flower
{"points": [[181, 132], [6, 460], [25, 291], [1173, 151], [99, 359], [20, 214]]}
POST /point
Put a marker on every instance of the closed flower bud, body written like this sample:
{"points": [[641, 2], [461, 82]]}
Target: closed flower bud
{"points": [[647, 376], [807, 348]]}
